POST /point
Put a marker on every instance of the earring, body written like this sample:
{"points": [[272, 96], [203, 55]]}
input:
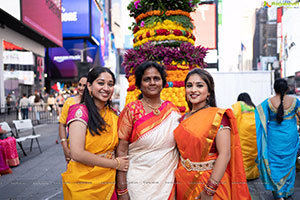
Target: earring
{"points": [[91, 94]]}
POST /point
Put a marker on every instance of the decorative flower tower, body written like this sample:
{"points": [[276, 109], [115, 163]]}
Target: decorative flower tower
{"points": [[163, 32]]}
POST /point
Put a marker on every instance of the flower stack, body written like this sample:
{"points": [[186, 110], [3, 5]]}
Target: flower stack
{"points": [[163, 32]]}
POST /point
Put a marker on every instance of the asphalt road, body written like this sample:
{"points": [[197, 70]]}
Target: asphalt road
{"points": [[38, 175]]}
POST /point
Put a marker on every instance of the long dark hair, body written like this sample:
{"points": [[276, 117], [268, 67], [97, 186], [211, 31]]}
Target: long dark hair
{"points": [[208, 79], [245, 97], [95, 122], [37, 98], [280, 87], [139, 72]]}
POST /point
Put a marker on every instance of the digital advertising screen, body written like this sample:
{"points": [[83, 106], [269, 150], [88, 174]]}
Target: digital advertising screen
{"points": [[44, 17]]}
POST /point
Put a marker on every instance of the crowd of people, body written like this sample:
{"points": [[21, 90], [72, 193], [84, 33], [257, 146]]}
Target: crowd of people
{"points": [[152, 151], [36, 103]]}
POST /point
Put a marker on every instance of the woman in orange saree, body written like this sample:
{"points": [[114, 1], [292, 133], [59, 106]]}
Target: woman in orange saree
{"points": [[211, 165]]}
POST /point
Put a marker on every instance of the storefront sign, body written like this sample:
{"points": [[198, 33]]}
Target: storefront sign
{"points": [[61, 59], [18, 58], [24, 77]]}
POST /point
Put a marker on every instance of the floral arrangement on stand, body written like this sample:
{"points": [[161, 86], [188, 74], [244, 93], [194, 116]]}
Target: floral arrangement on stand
{"points": [[163, 32]]}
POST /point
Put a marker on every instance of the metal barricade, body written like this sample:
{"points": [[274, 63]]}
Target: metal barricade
{"points": [[39, 114]]}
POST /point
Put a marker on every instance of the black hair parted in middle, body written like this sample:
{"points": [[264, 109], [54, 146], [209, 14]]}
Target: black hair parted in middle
{"points": [[245, 97], [208, 79], [95, 123], [140, 70]]}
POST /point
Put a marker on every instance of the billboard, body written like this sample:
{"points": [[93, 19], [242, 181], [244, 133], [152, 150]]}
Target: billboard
{"points": [[95, 22], [75, 18], [65, 62], [205, 26], [81, 19], [44, 17]]}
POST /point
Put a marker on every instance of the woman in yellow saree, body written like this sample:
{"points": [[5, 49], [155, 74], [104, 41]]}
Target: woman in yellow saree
{"points": [[64, 114], [211, 165], [93, 138], [245, 116]]}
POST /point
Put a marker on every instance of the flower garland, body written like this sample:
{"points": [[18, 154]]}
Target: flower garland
{"points": [[165, 32], [162, 38], [185, 53], [160, 13], [166, 24], [136, 7], [180, 66], [148, 14], [178, 12]]}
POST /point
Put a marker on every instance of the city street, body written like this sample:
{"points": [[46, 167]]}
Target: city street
{"points": [[38, 175]]}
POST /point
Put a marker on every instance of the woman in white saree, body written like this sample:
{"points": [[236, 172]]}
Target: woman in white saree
{"points": [[146, 136]]}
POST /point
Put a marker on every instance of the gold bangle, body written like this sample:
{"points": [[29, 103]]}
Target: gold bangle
{"points": [[63, 140], [118, 163]]}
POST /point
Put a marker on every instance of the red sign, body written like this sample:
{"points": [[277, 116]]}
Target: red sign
{"points": [[44, 16], [205, 26]]}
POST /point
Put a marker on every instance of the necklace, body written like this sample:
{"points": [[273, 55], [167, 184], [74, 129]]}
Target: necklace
{"points": [[193, 112], [156, 111]]}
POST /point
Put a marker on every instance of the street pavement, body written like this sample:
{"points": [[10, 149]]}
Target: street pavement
{"points": [[38, 175]]}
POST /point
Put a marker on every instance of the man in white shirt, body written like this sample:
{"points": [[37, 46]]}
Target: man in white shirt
{"points": [[24, 104]]}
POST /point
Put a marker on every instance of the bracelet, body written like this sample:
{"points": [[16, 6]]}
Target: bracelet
{"points": [[63, 140], [118, 163], [122, 192], [209, 191], [212, 184]]}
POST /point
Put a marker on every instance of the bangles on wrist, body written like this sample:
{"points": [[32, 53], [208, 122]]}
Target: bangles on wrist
{"points": [[211, 186], [121, 192]]}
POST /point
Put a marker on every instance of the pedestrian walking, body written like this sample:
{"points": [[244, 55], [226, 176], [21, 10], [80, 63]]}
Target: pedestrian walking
{"points": [[93, 138], [51, 103], [243, 110], [146, 135], [278, 141], [9, 101], [211, 162], [38, 107], [24, 105]]}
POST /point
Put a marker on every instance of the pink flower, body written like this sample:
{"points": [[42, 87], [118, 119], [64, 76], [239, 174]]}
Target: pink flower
{"points": [[137, 4], [142, 24]]}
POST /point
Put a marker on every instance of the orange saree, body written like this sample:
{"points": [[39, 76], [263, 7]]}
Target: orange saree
{"points": [[195, 137]]}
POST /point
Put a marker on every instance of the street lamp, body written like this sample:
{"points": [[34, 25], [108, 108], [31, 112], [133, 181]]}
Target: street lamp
{"points": [[81, 52]]}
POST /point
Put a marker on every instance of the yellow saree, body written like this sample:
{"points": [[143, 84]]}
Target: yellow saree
{"points": [[246, 126], [81, 181]]}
